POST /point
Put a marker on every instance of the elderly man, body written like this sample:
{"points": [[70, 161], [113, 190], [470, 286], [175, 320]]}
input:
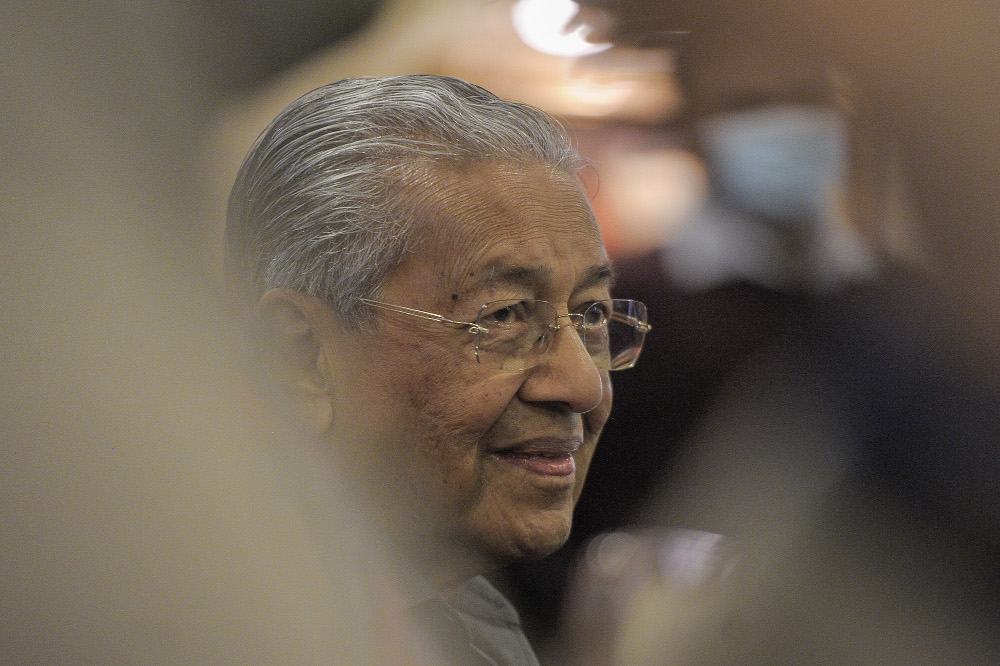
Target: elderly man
{"points": [[431, 276]]}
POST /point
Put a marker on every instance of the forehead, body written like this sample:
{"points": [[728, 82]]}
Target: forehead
{"points": [[488, 220]]}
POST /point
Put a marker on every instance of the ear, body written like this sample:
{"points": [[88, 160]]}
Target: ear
{"points": [[291, 325]]}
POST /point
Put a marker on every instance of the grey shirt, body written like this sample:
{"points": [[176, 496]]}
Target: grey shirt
{"points": [[475, 624]]}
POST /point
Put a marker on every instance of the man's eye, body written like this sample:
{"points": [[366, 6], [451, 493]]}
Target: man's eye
{"points": [[503, 315], [596, 314], [511, 313]]}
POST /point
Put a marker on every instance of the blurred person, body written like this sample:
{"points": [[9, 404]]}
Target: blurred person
{"points": [[741, 280], [732, 280], [148, 513], [431, 284]]}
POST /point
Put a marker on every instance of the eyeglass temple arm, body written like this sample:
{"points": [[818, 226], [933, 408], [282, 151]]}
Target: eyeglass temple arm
{"points": [[641, 326], [421, 314]]}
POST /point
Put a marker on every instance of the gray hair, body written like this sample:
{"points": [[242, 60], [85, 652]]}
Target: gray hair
{"points": [[320, 204]]}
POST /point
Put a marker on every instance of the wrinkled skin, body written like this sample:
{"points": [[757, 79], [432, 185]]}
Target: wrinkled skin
{"points": [[413, 410]]}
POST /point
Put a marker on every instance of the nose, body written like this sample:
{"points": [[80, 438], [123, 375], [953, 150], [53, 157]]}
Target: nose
{"points": [[567, 374]]}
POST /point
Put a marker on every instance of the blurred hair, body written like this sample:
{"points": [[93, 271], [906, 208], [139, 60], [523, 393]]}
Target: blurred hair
{"points": [[323, 202]]}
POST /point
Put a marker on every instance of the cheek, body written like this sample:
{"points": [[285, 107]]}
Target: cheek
{"points": [[452, 410], [451, 394]]}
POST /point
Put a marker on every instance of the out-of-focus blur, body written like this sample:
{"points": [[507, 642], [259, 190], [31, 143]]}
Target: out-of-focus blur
{"points": [[802, 468], [148, 513]]}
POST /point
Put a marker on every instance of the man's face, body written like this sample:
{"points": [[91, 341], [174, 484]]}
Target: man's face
{"points": [[491, 461]]}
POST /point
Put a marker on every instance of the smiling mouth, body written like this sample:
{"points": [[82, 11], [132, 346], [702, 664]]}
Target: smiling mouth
{"points": [[545, 458]]}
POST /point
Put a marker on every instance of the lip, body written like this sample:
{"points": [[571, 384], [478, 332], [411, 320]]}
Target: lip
{"points": [[546, 456]]}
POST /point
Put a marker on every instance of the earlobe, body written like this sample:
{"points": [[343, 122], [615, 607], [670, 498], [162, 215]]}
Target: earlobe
{"points": [[290, 323]]}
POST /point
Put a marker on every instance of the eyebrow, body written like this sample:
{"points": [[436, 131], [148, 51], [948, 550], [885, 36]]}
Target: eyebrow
{"points": [[502, 273], [603, 273]]}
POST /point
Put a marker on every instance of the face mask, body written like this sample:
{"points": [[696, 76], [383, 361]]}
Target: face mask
{"points": [[782, 163]]}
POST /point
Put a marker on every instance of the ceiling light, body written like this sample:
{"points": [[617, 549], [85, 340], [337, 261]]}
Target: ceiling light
{"points": [[541, 24]]}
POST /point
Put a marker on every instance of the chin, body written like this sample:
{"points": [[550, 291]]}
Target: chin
{"points": [[528, 541], [537, 551]]}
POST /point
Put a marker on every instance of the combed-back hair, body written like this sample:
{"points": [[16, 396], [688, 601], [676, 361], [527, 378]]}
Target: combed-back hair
{"points": [[320, 204]]}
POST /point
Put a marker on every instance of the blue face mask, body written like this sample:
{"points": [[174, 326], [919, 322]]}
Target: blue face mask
{"points": [[782, 163]]}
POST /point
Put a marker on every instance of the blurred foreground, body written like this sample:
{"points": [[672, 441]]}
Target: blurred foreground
{"points": [[151, 511]]}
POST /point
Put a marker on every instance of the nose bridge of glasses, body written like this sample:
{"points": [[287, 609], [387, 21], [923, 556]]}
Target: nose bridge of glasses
{"points": [[567, 349], [575, 319]]}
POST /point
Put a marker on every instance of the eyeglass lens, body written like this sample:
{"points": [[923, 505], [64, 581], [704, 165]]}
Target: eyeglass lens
{"points": [[515, 334]]}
